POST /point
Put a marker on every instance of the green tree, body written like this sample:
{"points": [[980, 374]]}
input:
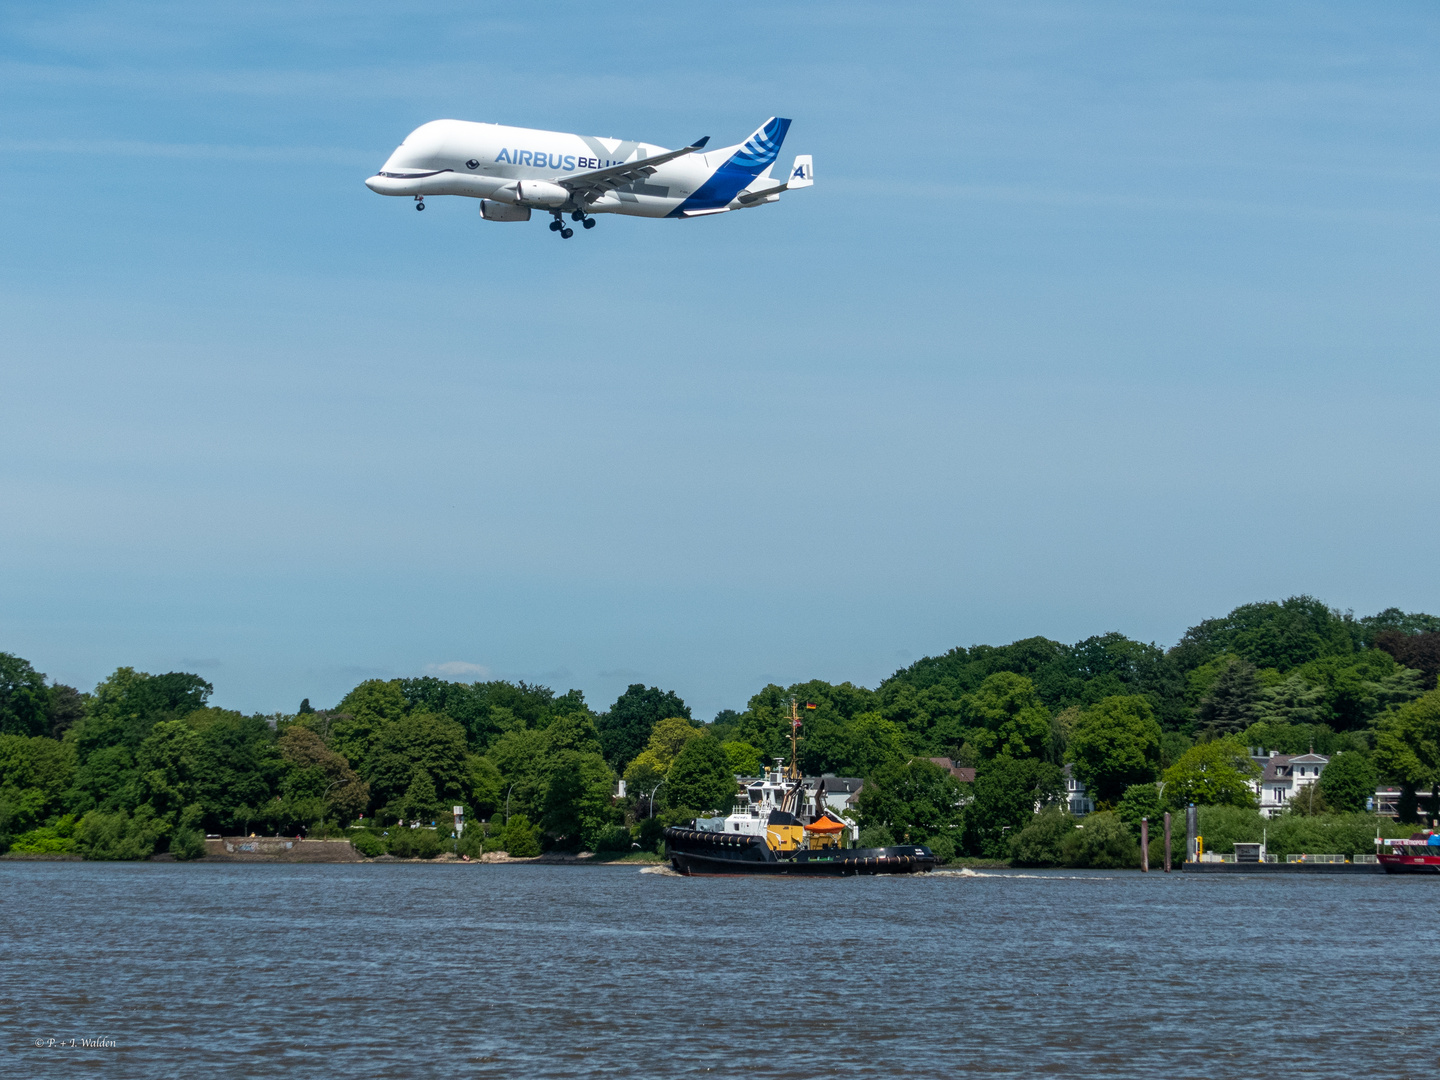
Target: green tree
{"points": [[66, 708], [873, 742], [129, 703], [1280, 635], [1418, 651], [355, 726], [1232, 704], [1005, 797], [1212, 774], [520, 838], [420, 741], [1114, 744], [1042, 841], [1139, 801], [316, 771], [1407, 744], [35, 773], [625, 729], [572, 731], [1348, 781], [484, 789], [744, 758], [700, 778], [1102, 842], [519, 756], [669, 737], [578, 802], [1295, 701], [419, 803], [1009, 716], [916, 800], [168, 764], [24, 700]]}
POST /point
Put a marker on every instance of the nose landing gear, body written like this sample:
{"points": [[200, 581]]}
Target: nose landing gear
{"points": [[419, 202]]}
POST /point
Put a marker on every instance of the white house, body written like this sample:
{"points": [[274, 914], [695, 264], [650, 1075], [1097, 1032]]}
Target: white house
{"points": [[1080, 803], [1285, 776]]}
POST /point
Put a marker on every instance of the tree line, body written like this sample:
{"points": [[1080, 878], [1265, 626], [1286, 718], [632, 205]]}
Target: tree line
{"points": [[144, 763]]}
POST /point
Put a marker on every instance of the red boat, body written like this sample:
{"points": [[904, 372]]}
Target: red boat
{"points": [[1418, 855]]}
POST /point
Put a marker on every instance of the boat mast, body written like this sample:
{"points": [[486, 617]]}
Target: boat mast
{"points": [[792, 772]]}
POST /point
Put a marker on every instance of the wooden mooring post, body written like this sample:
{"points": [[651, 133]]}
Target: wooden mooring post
{"points": [[1167, 843], [1144, 845]]}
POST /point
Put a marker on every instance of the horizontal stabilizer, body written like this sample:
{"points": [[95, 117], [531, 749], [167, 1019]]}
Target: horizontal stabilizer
{"points": [[802, 174]]}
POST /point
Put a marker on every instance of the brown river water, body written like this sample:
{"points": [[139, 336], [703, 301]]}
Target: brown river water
{"points": [[213, 970]]}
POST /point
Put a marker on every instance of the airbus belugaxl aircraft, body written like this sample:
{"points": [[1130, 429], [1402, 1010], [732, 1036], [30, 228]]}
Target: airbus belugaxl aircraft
{"points": [[515, 170]]}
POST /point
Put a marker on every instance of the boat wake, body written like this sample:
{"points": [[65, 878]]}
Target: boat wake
{"points": [[965, 871], [662, 870]]}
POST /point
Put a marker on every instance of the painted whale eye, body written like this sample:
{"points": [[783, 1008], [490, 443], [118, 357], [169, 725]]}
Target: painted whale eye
{"points": [[472, 164]]}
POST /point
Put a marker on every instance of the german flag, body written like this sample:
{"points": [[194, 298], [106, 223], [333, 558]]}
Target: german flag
{"points": [[808, 705]]}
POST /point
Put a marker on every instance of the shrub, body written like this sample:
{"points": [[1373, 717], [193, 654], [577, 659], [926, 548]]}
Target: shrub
{"points": [[414, 843], [1157, 845], [116, 836], [613, 838], [368, 844], [187, 844], [1102, 842], [1221, 826], [942, 847], [875, 836], [57, 839], [1041, 843], [1333, 834], [521, 839], [472, 843], [649, 833]]}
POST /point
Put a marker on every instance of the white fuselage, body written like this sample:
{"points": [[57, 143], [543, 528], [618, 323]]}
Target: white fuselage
{"points": [[458, 157]]}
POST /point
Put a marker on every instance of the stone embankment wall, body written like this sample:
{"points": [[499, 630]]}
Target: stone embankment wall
{"points": [[279, 849]]}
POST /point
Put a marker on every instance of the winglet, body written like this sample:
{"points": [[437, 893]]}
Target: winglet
{"points": [[698, 143]]}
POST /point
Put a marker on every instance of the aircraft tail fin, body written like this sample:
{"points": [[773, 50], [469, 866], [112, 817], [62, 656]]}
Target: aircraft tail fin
{"points": [[762, 148], [802, 173]]}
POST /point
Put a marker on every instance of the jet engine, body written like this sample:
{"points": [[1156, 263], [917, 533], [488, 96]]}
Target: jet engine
{"points": [[534, 193], [491, 210]]}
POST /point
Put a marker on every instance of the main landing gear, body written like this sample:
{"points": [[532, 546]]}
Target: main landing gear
{"points": [[419, 202], [558, 225]]}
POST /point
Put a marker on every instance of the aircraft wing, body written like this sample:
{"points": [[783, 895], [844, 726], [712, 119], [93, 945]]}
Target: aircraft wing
{"points": [[591, 185]]}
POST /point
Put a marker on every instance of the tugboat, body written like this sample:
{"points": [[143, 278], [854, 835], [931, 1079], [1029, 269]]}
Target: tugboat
{"points": [[764, 835], [1418, 855]]}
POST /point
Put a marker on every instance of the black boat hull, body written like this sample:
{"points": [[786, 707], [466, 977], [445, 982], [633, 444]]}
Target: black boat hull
{"points": [[694, 851]]}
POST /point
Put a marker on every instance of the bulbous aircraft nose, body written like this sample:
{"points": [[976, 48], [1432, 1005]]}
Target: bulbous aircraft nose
{"points": [[376, 184]]}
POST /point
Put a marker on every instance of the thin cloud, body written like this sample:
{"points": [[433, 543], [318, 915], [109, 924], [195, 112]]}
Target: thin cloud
{"points": [[455, 668]]}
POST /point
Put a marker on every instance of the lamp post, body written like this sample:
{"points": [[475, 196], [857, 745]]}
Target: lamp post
{"points": [[652, 798]]}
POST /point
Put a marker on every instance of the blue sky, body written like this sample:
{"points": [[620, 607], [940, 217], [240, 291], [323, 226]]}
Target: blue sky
{"points": [[1099, 316]]}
